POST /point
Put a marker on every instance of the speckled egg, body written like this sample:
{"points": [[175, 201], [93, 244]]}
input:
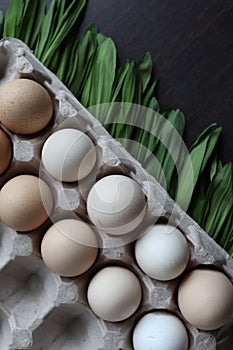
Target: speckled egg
{"points": [[26, 106]]}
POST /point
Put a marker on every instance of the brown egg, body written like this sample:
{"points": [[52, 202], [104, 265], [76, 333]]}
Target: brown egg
{"points": [[25, 202], [5, 151], [26, 106], [205, 298]]}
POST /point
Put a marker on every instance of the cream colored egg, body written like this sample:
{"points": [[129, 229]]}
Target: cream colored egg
{"points": [[116, 204], [114, 293], [26, 107], [205, 298], [25, 202], [68, 155], [5, 151], [69, 247]]}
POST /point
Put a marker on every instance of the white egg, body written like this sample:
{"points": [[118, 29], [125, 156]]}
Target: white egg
{"points": [[114, 293], [68, 155], [160, 331], [116, 204], [163, 252]]}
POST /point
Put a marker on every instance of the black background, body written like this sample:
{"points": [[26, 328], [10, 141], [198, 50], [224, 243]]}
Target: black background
{"points": [[191, 43]]}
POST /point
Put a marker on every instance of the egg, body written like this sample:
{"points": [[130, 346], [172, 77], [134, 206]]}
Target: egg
{"points": [[163, 252], [25, 202], [116, 204], [160, 330], [5, 151], [69, 247], [205, 298], [114, 293], [68, 155], [26, 106]]}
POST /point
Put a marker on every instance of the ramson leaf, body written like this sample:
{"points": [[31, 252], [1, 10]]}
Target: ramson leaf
{"points": [[149, 94], [194, 165], [47, 28], [219, 201], [83, 60], [31, 12], [1, 23], [144, 67], [13, 19]]}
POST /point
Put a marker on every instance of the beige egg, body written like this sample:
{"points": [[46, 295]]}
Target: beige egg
{"points": [[69, 247], [25, 202], [114, 293], [5, 151], [26, 106], [205, 298]]}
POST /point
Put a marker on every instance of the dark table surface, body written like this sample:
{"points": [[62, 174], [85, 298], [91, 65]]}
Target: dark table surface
{"points": [[191, 43]]}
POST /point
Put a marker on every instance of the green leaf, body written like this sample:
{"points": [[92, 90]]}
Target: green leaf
{"points": [[168, 153], [13, 22], [120, 78], [200, 153], [226, 239], [154, 104], [197, 209], [66, 62], [220, 200], [146, 140], [28, 20], [144, 67], [107, 118], [215, 168], [149, 94], [100, 38], [121, 130], [99, 85], [47, 28], [207, 140], [1, 23], [83, 62], [85, 97], [129, 85], [146, 135], [34, 17], [64, 26]]}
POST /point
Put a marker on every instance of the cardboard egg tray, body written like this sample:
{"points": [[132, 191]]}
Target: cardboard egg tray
{"points": [[39, 309]]}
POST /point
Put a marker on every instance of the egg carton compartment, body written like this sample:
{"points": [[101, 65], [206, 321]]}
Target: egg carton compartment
{"points": [[31, 294], [26, 285], [69, 327], [5, 329], [12, 244]]}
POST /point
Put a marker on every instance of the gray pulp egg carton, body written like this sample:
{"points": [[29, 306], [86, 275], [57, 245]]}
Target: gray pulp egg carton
{"points": [[40, 310]]}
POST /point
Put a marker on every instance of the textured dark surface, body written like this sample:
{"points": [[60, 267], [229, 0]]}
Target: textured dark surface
{"points": [[192, 47]]}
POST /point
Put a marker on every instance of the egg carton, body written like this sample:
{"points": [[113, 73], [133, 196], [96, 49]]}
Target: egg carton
{"points": [[41, 310]]}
